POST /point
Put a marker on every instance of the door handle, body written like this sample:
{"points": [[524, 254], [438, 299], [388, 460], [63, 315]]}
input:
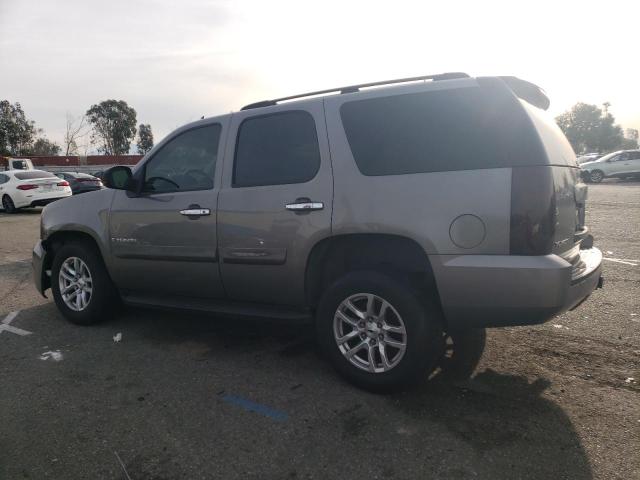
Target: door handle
{"points": [[304, 205], [195, 212]]}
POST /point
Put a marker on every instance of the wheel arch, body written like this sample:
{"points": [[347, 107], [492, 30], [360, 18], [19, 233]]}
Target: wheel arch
{"points": [[59, 238], [334, 256]]}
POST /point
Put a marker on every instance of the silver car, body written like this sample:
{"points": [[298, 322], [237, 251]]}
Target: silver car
{"points": [[391, 217], [621, 164]]}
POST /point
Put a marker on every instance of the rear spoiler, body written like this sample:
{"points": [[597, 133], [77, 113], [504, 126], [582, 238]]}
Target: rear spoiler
{"points": [[528, 92]]}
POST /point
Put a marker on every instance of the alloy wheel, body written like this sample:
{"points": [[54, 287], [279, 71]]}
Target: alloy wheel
{"points": [[76, 284], [370, 333]]}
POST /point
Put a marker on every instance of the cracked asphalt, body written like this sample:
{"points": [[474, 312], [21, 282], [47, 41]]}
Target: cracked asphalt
{"points": [[190, 397]]}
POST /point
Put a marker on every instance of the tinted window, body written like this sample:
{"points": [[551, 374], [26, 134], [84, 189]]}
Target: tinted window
{"points": [[276, 149], [424, 132], [3, 178], [187, 162], [634, 155], [33, 174], [441, 130]]}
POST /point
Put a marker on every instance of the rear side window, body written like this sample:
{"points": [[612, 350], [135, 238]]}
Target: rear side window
{"points": [[3, 178], [33, 175], [276, 149]]}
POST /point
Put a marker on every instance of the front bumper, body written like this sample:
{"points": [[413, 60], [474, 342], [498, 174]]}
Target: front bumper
{"points": [[506, 290], [38, 264]]}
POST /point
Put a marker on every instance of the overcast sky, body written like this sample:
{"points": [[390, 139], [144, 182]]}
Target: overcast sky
{"points": [[174, 61]]}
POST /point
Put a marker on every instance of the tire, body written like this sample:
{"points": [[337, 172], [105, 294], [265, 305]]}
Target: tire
{"points": [[596, 176], [422, 331], [102, 298], [463, 351], [8, 205]]}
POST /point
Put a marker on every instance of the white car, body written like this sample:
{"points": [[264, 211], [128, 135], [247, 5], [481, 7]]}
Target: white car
{"points": [[621, 164], [30, 188]]}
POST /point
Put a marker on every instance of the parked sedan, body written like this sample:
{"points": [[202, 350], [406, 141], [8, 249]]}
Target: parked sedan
{"points": [[30, 188], [81, 182]]}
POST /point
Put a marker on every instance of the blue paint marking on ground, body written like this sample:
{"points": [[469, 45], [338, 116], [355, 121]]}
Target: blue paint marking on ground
{"points": [[256, 407]]}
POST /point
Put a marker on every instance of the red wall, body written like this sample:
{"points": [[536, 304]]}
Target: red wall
{"points": [[71, 160]]}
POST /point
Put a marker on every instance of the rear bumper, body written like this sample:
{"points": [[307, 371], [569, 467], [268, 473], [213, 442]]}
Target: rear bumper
{"points": [[506, 290], [39, 200]]}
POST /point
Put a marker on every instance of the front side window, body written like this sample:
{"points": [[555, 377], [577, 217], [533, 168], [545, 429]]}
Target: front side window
{"points": [[276, 149], [187, 162]]}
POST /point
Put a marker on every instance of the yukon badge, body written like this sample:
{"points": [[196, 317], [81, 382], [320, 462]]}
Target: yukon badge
{"points": [[123, 240]]}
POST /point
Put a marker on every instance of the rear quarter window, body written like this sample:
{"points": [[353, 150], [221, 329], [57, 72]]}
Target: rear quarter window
{"points": [[441, 130]]}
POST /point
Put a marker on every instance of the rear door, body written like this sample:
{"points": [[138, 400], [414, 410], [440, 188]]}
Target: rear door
{"points": [[276, 201], [163, 240]]}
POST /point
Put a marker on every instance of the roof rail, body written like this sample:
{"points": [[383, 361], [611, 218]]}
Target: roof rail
{"points": [[356, 88]]}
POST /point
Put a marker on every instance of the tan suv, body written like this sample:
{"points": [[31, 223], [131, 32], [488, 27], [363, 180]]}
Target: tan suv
{"points": [[391, 214]]}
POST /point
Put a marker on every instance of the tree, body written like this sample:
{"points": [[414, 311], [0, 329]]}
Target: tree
{"points": [[17, 132], [45, 147], [114, 126], [592, 129], [77, 130], [145, 138]]}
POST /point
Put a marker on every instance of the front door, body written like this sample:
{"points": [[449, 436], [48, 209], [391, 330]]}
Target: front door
{"points": [[163, 240], [276, 201]]}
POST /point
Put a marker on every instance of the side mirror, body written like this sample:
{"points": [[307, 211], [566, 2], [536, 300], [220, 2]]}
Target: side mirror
{"points": [[119, 178]]}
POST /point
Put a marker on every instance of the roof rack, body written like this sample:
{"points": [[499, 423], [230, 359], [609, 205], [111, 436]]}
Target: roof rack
{"points": [[356, 88]]}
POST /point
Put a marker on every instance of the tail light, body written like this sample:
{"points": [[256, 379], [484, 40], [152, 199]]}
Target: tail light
{"points": [[533, 211], [64, 183], [26, 187]]}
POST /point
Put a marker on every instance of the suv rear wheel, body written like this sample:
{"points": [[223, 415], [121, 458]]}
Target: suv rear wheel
{"points": [[81, 286], [377, 332]]}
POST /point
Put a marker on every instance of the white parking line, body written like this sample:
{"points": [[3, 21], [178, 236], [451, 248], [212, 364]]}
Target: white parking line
{"points": [[626, 261], [4, 326]]}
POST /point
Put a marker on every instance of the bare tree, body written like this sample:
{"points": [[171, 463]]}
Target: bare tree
{"points": [[78, 129]]}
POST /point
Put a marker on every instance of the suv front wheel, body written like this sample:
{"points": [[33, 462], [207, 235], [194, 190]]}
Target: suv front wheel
{"points": [[377, 332], [81, 286]]}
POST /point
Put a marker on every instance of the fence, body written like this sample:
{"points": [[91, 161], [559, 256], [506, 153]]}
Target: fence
{"points": [[81, 163]]}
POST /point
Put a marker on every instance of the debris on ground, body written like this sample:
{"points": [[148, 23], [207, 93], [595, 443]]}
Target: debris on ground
{"points": [[54, 355], [117, 337]]}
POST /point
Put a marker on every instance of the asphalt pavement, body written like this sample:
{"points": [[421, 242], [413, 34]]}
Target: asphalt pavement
{"points": [[154, 395]]}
